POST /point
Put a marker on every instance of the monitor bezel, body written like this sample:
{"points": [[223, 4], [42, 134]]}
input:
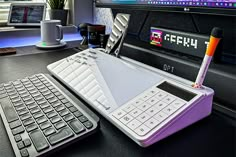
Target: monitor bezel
{"points": [[180, 9], [23, 5]]}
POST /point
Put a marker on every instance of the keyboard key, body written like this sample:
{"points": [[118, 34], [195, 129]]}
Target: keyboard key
{"points": [[145, 97], [44, 105], [31, 127], [47, 110], [64, 112], [77, 114], [161, 95], [143, 117], [152, 111], [27, 142], [17, 138], [35, 110], [56, 103], [118, 114], [59, 125], [68, 117], [62, 135], [61, 97], [151, 123], [160, 105], [153, 91], [49, 96], [138, 102], [73, 109], [83, 119], [45, 125], [51, 114], [31, 106], [142, 130], [152, 101], [88, 124], [39, 140], [52, 100], [41, 120], [128, 108], [20, 145], [76, 126], [144, 106], [25, 116], [134, 124], [37, 115], [168, 99], [60, 108], [24, 153], [126, 119], [18, 130], [15, 124], [68, 105], [20, 107], [134, 113], [55, 119], [160, 116], [169, 110], [64, 101], [28, 121], [49, 131], [178, 103], [8, 110]]}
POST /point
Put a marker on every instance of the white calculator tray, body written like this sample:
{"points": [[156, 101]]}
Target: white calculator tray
{"points": [[111, 85]]}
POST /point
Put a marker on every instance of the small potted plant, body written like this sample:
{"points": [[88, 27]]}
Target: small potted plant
{"points": [[57, 10]]}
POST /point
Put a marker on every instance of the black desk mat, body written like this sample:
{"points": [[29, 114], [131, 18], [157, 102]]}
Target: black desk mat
{"points": [[213, 136]]}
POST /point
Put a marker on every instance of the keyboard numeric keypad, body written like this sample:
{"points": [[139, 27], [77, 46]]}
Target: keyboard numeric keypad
{"points": [[148, 111]]}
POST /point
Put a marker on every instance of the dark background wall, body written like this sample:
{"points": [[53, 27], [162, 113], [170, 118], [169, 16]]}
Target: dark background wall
{"points": [[141, 21]]}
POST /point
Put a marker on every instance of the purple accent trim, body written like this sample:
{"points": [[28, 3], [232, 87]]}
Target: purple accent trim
{"points": [[32, 40], [195, 113]]}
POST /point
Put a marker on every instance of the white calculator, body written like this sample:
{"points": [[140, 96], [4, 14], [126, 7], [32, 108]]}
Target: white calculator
{"points": [[145, 103]]}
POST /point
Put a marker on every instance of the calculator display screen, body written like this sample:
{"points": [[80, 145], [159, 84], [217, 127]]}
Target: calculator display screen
{"points": [[177, 91]]}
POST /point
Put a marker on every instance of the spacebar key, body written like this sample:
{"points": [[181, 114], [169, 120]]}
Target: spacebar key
{"points": [[8, 110], [39, 140], [63, 134]]}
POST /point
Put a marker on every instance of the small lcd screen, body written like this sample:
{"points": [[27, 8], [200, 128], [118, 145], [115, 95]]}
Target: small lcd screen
{"points": [[177, 91], [27, 14]]}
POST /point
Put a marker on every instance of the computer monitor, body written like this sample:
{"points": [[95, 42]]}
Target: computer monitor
{"points": [[221, 7]]}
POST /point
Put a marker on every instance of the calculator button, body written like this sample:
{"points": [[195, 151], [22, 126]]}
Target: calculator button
{"points": [[144, 106], [169, 99], [153, 91], [152, 101], [135, 112], [118, 114], [142, 130], [137, 102], [169, 110], [160, 105], [161, 95], [128, 108], [143, 117], [160, 116], [152, 111], [145, 97], [134, 124], [152, 123], [178, 103], [126, 119]]}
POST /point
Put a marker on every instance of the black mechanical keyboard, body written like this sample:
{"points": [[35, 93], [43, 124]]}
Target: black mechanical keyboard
{"points": [[40, 115]]}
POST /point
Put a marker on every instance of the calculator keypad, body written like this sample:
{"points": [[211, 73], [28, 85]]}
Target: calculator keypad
{"points": [[148, 110]]}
